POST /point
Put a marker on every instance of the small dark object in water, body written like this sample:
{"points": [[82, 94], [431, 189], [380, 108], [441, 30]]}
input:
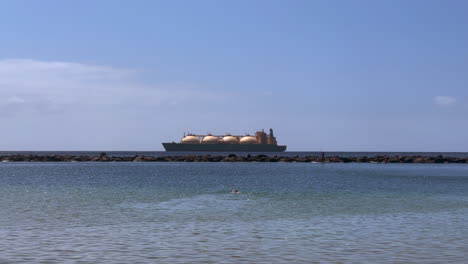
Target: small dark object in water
{"points": [[236, 191]]}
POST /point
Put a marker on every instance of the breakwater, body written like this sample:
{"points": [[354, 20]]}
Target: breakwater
{"points": [[103, 157]]}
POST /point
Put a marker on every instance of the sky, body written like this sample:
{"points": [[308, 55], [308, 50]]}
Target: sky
{"points": [[330, 75]]}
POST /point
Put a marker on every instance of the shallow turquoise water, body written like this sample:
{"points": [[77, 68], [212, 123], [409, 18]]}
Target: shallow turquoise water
{"points": [[184, 213]]}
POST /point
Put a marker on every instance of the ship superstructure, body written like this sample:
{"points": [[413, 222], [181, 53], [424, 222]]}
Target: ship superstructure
{"points": [[260, 142]]}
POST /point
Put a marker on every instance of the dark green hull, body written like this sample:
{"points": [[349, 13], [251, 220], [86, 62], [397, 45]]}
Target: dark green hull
{"points": [[224, 147]]}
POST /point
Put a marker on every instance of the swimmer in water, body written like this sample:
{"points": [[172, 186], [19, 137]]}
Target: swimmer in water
{"points": [[235, 191]]}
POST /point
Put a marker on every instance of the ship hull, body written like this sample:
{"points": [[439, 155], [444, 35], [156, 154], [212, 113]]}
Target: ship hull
{"points": [[224, 147]]}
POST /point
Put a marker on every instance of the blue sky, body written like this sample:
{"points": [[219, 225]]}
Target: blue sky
{"points": [[331, 75]]}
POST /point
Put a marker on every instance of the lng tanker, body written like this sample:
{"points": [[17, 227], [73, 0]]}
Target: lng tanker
{"points": [[261, 142]]}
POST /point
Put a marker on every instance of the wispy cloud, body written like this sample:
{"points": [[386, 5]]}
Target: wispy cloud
{"points": [[46, 87], [444, 100], [15, 100]]}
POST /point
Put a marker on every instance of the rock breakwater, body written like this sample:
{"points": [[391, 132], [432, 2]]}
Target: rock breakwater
{"points": [[103, 157]]}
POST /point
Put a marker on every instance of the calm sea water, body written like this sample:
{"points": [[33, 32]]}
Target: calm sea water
{"points": [[184, 213], [287, 153]]}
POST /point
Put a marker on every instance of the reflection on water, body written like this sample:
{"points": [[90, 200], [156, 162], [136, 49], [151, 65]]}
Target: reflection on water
{"points": [[184, 213]]}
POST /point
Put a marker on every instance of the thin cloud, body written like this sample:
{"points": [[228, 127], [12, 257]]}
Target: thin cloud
{"points": [[444, 100], [55, 87], [15, 100]]}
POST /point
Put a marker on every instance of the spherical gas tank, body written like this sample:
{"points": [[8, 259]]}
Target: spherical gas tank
{"points": [[230, 140], [190, 140], [210, 140], [248, 140]]}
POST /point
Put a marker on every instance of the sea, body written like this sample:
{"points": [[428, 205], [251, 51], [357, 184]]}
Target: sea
{"points": [[287, 153], [176, 212]]}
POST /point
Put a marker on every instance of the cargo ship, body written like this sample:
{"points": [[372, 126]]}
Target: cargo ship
{"points": [[261, 142]]}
